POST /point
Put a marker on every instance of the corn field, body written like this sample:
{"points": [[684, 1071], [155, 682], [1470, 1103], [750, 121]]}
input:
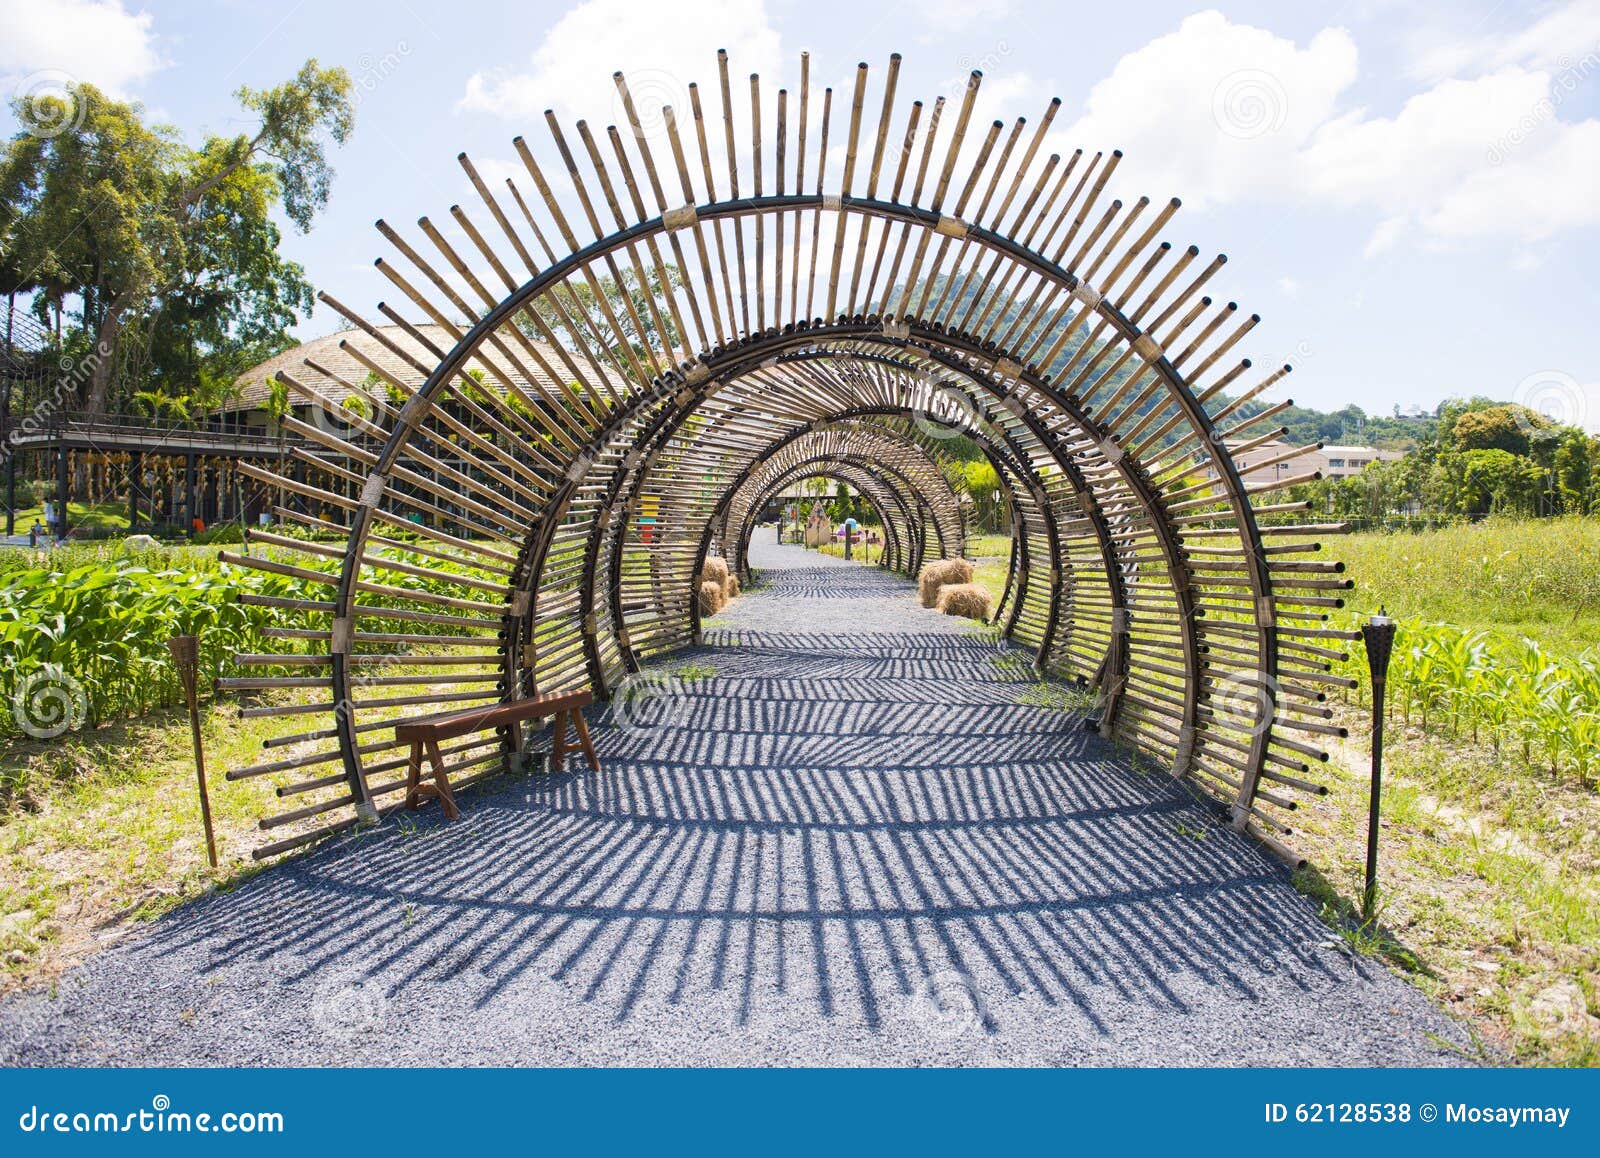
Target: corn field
{"points": [[1528, 704], [83, 631], [87, 643]]}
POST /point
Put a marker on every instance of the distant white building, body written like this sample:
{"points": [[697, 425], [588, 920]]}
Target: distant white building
{"points": [[1332, 461], [1344, 461]]}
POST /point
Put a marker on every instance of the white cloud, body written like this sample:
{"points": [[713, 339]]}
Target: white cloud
{"points": [[98, 41], [660, 47], [1288, 287], [1215, 111], [1558, 40], [1224, 113], [1386, 236]]}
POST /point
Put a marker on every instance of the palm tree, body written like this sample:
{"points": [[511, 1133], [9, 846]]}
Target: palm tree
{"points": [[157, 404]]}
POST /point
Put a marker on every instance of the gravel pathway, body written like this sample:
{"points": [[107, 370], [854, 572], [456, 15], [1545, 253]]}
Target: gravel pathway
{"points": [[850, 845]]}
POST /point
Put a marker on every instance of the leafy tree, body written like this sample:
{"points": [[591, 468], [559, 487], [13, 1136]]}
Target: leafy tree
{"points": [[980, 481], [151, 235], [1495, 428], [628, 301]]}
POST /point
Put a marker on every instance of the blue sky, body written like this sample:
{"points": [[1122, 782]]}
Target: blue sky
{"points": [[1409, 194]]}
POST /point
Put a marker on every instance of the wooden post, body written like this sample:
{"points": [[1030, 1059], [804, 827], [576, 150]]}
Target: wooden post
{"points": [[186, 658]]}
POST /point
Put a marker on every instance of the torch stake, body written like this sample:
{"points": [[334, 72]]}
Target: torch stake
{"points": [[1378, 634], [186, 658]]}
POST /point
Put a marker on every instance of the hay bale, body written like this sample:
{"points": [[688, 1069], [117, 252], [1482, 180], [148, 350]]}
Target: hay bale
{"points": [[936, 575], [730, 589], [715, 570], [711, 600], [968, 600]]}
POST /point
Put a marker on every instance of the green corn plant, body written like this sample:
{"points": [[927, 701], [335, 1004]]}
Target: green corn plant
{"points": [[1549, 705]]}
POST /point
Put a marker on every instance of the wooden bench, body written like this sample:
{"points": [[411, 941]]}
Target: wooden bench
{"points": [[424, 735]]}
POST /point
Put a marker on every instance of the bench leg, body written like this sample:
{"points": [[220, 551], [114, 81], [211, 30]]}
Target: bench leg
{"points": [[414, 776], [441, 783], [584, 741], [558, 741]]}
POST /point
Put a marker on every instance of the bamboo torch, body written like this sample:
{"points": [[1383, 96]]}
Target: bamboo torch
{"points": [[186, 658]]}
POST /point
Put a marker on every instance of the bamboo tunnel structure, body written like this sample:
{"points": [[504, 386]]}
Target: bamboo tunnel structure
{"points": [[906, 480], [612, 354]]}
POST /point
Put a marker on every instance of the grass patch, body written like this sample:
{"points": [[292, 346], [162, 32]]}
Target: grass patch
{"points": [[102, 828], [98, 516], [693, 671], [1489, 866], [1056, 697], [1512, 578], [1487, 887], [987, 546], [859, 553]]}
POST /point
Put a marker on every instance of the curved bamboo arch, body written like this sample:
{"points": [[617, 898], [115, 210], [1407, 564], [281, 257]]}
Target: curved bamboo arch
{"points": [[891, 496], [889, 452], [531, 512]]}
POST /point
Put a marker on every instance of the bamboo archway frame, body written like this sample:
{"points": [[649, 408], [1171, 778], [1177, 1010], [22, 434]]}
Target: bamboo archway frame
{"points": [[910, 488], [559, 469]]}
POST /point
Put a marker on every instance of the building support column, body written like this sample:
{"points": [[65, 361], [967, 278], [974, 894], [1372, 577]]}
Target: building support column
{"points": [[62, 481], [135, 481], [189, 507], [11, 491]]}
